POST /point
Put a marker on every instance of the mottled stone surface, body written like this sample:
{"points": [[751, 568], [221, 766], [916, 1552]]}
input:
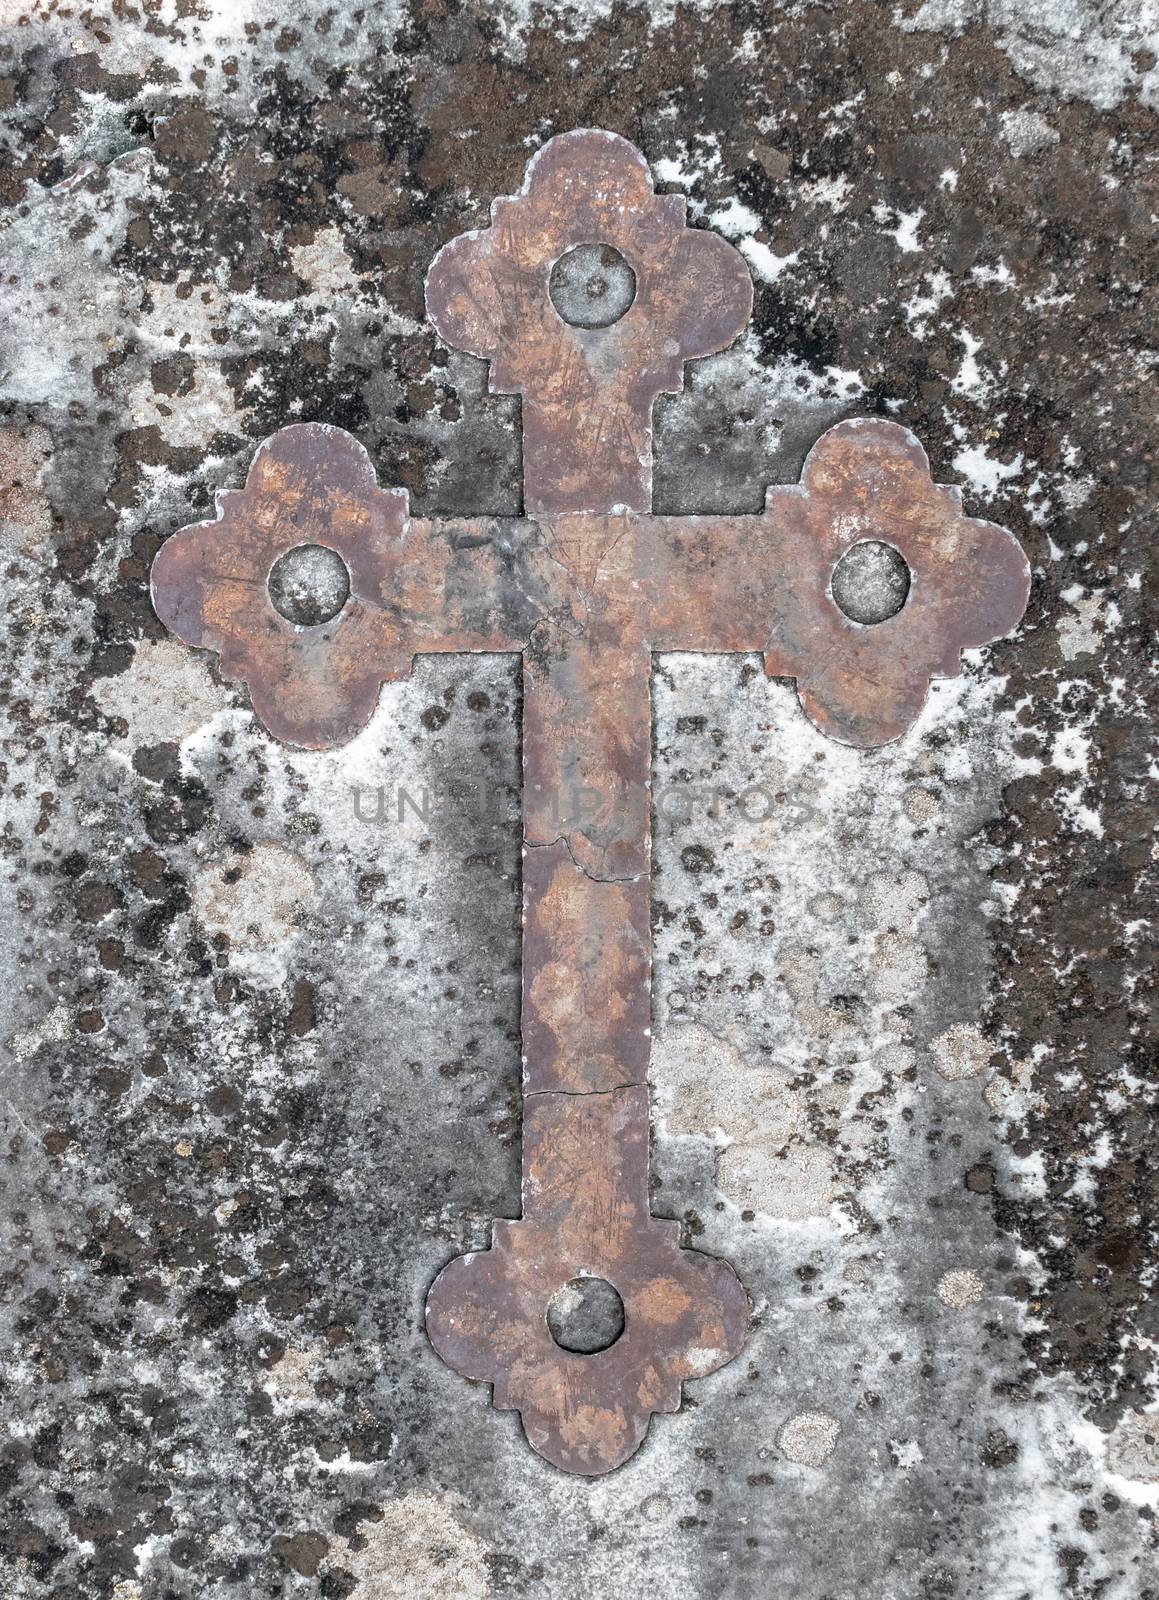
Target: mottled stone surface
{"points": [[259, 1039]]}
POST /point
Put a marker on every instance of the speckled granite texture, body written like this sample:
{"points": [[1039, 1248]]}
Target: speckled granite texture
{"points": [[259, 1038]]}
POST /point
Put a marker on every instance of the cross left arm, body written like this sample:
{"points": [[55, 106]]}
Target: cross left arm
{"points": [[416, 585]]}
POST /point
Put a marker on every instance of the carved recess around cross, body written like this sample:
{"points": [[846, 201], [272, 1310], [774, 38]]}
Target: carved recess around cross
{"points": [[587, 294]]}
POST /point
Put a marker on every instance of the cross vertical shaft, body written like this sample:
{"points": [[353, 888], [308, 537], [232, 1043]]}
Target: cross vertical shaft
{"points": [[588, 384]]}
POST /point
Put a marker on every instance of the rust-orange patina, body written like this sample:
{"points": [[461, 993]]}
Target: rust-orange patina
{"points": [[586, 586]]}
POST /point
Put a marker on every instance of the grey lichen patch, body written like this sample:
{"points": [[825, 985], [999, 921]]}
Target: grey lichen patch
{"points": [[188, 417], [257, 900], [292, 1378], [901, 967], [802, 974], [53, 1028], [706, 1085], [185, 393], [769, 1163], [895, 1059], [826, 906], [1011, 1094], [1100, 53], [65, 320], [960, 1287], [858, 1270], [921, 805], [809, 1438], [789, 1184], [1081, 629], [1133, 1448], [326, 266], [420, 1547], [25, 511], [893, 902], [656, 1508], [164, 695], [962, 1051], [1027, 131], [906, 1454]]}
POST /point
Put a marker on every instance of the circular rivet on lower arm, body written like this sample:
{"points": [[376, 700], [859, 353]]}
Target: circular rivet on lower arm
{"points": [[585, 1315]]}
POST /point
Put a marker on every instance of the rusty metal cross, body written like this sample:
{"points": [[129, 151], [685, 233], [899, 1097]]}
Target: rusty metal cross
{"points": [[587, 294]]}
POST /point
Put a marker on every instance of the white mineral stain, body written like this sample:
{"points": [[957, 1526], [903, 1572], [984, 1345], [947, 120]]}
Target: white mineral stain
{"points": [[833, 192], [907, 1453], [901, 226], [971, 380], [982, 472], [734, 219], [924, 302], [188, 319], [765, 261], [191, 418], [59, 353]]}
